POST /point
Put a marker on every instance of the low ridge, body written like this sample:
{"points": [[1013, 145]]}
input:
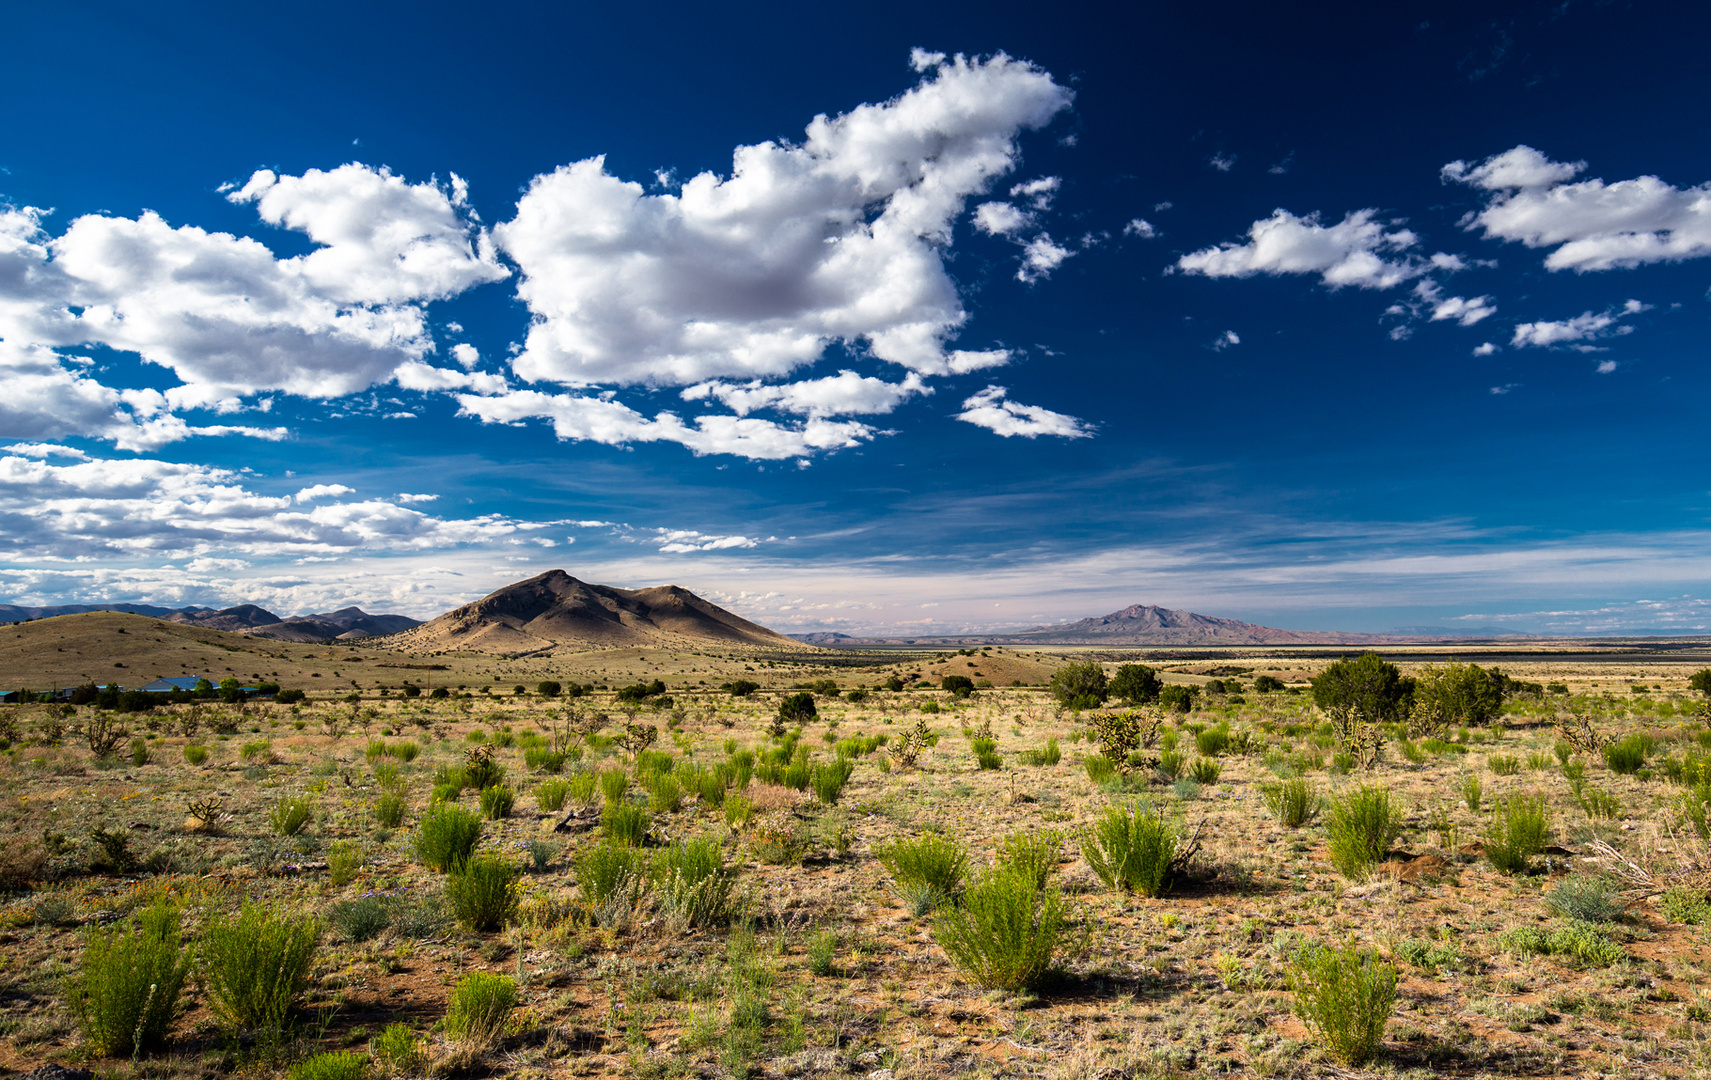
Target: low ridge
{"points": [[554, 609]]}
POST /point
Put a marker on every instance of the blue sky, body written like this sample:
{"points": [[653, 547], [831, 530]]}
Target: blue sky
{"points": [[864, 318]]}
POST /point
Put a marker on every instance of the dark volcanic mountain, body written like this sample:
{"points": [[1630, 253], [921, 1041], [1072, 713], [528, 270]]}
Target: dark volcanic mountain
{"points": [[555, 609], [243, 618], [348, 623]]}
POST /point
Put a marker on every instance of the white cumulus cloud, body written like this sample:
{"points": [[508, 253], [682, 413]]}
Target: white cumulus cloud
{"points": [[754, 274], [1001, 219], [1040, 256], [1586, 326], [843, 394], [1590, 225], [990, 409], [1356, 251]]}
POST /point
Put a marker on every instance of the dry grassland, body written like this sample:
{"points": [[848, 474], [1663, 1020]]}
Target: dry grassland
{"points": [[820, 967]]}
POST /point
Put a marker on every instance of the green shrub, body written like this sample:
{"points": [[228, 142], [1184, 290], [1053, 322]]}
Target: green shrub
{"points": [[1472, 791], [739, 811], [1079, 685], [1213, 741], [1004, 931], [1581, 943], [829, 778], [1171, 763], [497, 801], [480, 1003], [1685, 904], [665, 794], [797, 709], [927, 870], [710, 787], [483, 894], [195, 754], [397, 1050], [389, 809], [255, 964], [1131, 848], [1591, 898], [613, 784], [1517, 832], [335, 1065], [446, 837], [1099, 768], [1503, 764], [608, 869], [344, 859], [544, 759], [1050, 754], [1627, 756], [550, 795], [289, 816], [125, 993], [1031, 855], [1345, 997], [625, 823], [1206, 770], [1293, 802], [361, 919], [694, 883], [1598, 803], [1359, 828]]}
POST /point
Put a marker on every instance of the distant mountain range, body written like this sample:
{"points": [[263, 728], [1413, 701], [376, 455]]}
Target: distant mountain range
{"points": [[346, 623], [554, 609], [1145, 625]]}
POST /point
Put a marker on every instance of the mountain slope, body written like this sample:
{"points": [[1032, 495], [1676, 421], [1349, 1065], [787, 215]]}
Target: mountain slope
{"points": [[554, 609], [1149, 624]]}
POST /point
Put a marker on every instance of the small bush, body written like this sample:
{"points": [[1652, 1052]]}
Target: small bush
{"points": [[1171, 763], [1359, 828], [625, 823], [126, 991], [665, 794], [1590, 898], [344, 859], [361, 919], [1213, 741], [1471, 791], [1050, 754], [613, 784], [550, 795], [1503, 764], [337, 1065], [1004, 931], [497, 801], [739, 811], [255, 964], [1206, 770], [1627, 756], [195, 754], [479, 1006], [797, 709], [1131, 848], [483, 895], [1099, 768], [389, 809], [1345, 997], [446, 837], [1517, 832], [290, 815], [1031, 855], [1293, 802], [694, 883], [829, 777], [396, 1050], [1581, 943], [930, 859], [607, 870]]}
